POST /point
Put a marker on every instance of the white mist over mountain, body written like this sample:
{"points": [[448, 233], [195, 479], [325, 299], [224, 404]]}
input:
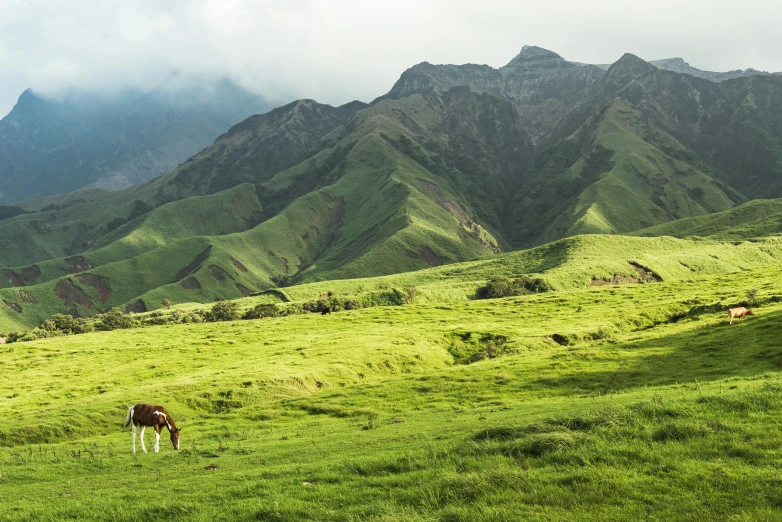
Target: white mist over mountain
{"points": [[339, 50]]}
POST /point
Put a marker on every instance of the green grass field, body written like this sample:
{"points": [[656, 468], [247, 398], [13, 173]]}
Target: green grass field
{"points": [[605, 403]]}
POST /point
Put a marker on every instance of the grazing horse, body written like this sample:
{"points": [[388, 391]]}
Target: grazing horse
{"points": [[326, 310], [741, 313], [156, 416]]}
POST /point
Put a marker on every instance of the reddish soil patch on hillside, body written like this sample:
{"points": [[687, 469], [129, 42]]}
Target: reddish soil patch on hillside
{"points": [[13, 278], [428, 256], [100, 284], [191, 283], [315, 230], [285, 265], [30, 274], [13, 306], [194, 264], [72, 295], [218, 273], [337, 210], [238, 265], [244, 290], [26, 297], [136, 307], [643, 276], [78, 264], [455, 209]]}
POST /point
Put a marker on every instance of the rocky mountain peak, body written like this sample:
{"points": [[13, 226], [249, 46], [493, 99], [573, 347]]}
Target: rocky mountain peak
{"points": [[630, 64], [537, 57]]}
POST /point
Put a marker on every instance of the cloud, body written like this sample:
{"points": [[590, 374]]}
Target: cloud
{"points": [[339, 50]]}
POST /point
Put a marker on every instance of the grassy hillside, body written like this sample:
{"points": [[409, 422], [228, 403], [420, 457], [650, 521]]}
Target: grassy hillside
{"points": [[605, 403], [619, 172], [422, 177], [758, 218]]}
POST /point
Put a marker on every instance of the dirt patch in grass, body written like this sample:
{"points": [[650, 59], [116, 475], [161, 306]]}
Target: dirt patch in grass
{"points": [[243, 290], [13, 306], [238, 265], [428, 256], [194, 264], [72, 295], [81, 231], [337, 209], [30, 274], [218, 273], [136, 306], [455, 209], [78, 264], [100, 284], [284, 263], [643, 276], [26, 297], [13, 278], [191, 283]]}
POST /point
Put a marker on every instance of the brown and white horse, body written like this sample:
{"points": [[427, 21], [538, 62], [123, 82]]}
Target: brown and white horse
{"points": [[156, 416]]}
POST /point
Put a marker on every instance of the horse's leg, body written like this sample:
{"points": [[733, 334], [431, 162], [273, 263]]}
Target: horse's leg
{"points": [[157, 438], [141, 436], [133, 426]]}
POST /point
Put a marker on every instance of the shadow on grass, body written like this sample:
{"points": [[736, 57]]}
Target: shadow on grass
{"points": [[746, 348]]}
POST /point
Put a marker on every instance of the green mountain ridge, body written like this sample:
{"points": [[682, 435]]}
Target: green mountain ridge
{"points": [[435, 172]]}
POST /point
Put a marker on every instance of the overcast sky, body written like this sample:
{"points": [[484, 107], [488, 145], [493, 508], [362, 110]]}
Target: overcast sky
{"points": [[339, 50]]}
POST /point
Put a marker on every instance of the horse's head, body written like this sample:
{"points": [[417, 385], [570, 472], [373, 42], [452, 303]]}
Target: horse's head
{"points": [[175, 437], [750, 312]]}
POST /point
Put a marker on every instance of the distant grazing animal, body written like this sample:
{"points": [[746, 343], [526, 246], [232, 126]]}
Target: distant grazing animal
{"points": [[739, 312], [326, 310], [2, 340], [156, 416]]}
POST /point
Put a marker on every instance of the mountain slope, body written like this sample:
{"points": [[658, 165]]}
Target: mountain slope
{"points": [[734, 126], [368, 209], [112, 141], [541, 84], [619, 172], [755, 219]]}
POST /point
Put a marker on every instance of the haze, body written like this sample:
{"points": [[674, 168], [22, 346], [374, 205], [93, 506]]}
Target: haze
{"points": [[337, 51]]}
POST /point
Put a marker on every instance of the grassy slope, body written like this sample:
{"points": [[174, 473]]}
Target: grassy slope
{"points": [[363, 414], [619, 172], [758, 218], [380, 200]]}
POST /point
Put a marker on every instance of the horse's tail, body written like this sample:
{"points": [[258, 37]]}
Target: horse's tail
{"points": [[129, 418]]}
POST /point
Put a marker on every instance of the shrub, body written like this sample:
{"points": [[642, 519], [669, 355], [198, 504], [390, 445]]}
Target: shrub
{"points": [[114, 319], [261, 310], [167, 303], [501, 286], [223, 311], [752, 297]]}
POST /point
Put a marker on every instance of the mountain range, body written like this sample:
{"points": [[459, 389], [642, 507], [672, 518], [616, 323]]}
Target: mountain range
{"points": [[52, 146], [453, 163]]}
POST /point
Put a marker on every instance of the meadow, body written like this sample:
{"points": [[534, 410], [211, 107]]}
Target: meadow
{"points": [[611, 402]]}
